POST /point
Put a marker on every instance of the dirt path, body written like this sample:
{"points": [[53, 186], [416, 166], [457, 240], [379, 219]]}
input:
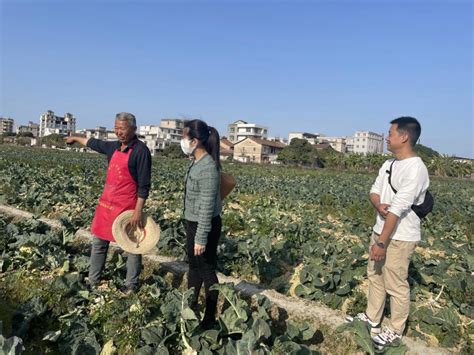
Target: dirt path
{"points": [[296, 308]]}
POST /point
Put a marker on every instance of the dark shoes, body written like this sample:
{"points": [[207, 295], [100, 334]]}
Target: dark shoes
{"points": [[207, 323], [209, 320]]}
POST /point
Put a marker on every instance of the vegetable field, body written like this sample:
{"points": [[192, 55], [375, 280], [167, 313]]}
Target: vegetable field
{"points": [[301, 232]]}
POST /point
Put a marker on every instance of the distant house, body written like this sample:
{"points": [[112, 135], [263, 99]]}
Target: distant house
{"points": [[337, 143], [365, 142], [463, 160], [310, 137], [31, 127], [257, 150], [320, 146], [239, 130], [227, 149]]}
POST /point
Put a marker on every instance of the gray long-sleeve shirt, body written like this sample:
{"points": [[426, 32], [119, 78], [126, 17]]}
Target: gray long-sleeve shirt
{"points": [[202, 199]]}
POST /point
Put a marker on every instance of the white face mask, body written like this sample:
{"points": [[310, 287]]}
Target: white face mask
{"points": [[186, 146]]}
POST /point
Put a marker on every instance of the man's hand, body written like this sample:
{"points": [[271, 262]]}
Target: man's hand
{"points": [[136, 221], [80, 140], [382, 209], [199, 249], [377, 253], [70, 140]]}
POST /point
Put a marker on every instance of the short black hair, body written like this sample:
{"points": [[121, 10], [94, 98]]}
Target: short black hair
{"points": [[409, 125]]}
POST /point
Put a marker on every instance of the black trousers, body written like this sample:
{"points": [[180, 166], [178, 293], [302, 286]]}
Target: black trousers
{"points": [[202, 268]]}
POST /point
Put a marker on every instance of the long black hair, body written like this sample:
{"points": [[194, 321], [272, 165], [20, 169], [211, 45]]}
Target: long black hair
{"points": [[208, 136]]}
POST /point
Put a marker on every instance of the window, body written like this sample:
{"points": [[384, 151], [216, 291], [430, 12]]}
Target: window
{"points": [[254, 149], [248, 130]]}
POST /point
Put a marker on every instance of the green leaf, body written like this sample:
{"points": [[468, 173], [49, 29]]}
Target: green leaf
{"points": [[361, 334], [261, 329], [52, 335], [396, 349], [343, 291], [152, 335], [188, 314]]}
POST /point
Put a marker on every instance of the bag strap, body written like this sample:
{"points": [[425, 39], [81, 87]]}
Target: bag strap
{"points": [[389, 172]]}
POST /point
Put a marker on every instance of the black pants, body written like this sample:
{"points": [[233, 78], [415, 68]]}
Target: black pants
{"points": [[202, 268]]}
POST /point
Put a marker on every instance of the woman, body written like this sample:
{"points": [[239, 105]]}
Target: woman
{"points": [[202, 208]]}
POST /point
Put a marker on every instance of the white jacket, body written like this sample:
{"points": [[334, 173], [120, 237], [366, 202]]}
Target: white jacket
{"points": [[410, 179]]}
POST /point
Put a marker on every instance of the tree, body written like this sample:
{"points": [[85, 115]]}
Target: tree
{"points": [[8, 134], [173, 151], [53, 139], [299, 152], [329, 157], [426, 153], [25, 134]]}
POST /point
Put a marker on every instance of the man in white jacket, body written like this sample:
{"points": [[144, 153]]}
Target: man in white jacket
{"points": [[396, 231]]}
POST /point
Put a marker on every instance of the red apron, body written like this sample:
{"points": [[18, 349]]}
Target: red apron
{"points": [[120, 194]]}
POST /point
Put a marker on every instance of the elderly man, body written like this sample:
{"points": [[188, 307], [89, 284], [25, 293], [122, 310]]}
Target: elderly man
{"points": [[126, 188]]}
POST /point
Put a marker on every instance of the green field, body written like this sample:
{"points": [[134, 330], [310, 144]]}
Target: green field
{"points": [[302, 232]]}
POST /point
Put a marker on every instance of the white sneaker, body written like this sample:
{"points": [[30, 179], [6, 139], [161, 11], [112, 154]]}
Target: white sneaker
{"points": [[374, 327], [387, 337]]}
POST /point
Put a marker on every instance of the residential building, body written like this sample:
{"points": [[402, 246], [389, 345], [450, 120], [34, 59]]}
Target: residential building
{"points": [[110, 136], [149, 129], [278, 139], [321, 146], [226, 149], [349, 144], [6, 125], [310, 137], [463, 160], [31, 127], [367, 142], [257, 150], [337, 143], [98, 133], [158, 137], [50, 124], [240, 130]]}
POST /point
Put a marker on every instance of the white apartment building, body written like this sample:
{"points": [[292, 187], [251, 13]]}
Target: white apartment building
{"points": [[365, 142], [110, 136], [6, 125], [310, 137], [158, 137], [278, 139], [50, 123], [31, 127], [98, 133], [240, 130], [149, 129]]}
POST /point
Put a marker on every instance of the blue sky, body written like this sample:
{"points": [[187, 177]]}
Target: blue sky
{"points": [[318, 66]]}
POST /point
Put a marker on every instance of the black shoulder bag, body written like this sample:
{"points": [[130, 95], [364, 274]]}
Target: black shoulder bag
{"points": [[421, 210]]}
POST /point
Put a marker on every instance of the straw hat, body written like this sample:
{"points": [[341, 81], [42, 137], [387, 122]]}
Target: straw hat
{"points": [[135, 241]]}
